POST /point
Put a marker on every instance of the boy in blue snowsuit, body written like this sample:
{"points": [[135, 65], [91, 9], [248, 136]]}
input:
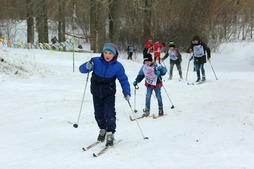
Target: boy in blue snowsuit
{"points": [[106, 69], [152, 72]]}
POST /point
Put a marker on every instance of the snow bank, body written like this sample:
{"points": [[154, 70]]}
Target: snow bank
{"points": [[20, 63]]}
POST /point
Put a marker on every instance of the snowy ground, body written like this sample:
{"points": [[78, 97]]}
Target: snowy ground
{"points": [[211, 126]]}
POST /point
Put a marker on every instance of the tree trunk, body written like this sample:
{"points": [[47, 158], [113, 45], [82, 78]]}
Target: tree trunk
{"points": [[101, 27], [147, 19], [93, 20], [30, 21], [42, 21], [97, 26], [61, 21], [113, 20]]}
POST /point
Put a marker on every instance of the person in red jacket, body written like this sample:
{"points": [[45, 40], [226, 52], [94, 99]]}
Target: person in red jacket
{"points": [[157, 47], [148, 47]]}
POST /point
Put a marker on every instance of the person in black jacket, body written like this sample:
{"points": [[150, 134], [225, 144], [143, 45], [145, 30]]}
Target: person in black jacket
{"points": [[130, 50], [199, 50]]}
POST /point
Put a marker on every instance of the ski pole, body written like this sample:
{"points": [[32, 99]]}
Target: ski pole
{"points": [[137, 121], [188, 67], [213, 70], [136, 88], [76, 125], [165, 66], [168, 97], [187, 70]]}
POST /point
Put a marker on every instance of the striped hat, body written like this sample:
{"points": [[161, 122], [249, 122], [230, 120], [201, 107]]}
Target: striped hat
{"points": [[110, 47]]}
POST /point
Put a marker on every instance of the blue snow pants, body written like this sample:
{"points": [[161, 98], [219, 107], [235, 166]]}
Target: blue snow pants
{"points": [[104, 112]]}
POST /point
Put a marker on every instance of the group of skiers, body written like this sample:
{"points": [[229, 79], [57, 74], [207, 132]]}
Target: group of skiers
{"points": [[199, 49], [106, 69]]}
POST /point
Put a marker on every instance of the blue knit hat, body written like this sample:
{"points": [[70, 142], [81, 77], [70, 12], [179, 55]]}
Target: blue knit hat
{"points": [[110, 47]]}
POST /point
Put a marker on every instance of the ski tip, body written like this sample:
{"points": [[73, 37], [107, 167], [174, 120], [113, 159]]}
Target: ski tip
{"points": [[131, 119], [94, 155], [83, 149], [154, 116]]}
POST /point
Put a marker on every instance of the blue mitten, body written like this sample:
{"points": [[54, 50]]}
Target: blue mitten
{"points": [[157, 72], [135, 83]]}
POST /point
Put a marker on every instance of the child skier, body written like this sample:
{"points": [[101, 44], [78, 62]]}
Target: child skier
{"points": [[157, 47], [106, 69], [152, 72], [130, 50], [148, 47], [175, 59], [199, 49]]}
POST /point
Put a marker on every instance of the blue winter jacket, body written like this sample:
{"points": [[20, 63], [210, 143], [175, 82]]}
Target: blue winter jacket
{"points": [[104, 76]]}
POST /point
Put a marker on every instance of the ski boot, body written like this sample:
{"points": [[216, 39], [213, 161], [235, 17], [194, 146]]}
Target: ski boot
{"points": [[198, 79], [161, 112], [203, 78], [102, 135], [146, 112], [110, 139]]}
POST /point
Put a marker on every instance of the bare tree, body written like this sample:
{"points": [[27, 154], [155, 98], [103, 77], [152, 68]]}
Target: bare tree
{"points": [[147, 19], [30, 21], [97, 25], [61, 21], [113, 13], [134, 21], [42, 21]]}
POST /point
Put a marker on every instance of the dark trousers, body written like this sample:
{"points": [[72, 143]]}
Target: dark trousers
{"points": [[130, 55], [104, 112], [178, 66]]}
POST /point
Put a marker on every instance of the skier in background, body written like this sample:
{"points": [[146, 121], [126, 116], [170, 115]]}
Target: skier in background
{"points": [[106, 69], [130, 50], [152, 72], [148, 47], [175, 59], [54, 42], [157, 47], [199, 50]]}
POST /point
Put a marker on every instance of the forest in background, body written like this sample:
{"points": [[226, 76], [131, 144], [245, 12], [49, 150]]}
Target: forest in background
{"points": [[133, 21]]}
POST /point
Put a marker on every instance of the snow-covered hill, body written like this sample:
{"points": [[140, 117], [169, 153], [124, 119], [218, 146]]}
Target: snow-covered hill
{"points": [[211, 126]]}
